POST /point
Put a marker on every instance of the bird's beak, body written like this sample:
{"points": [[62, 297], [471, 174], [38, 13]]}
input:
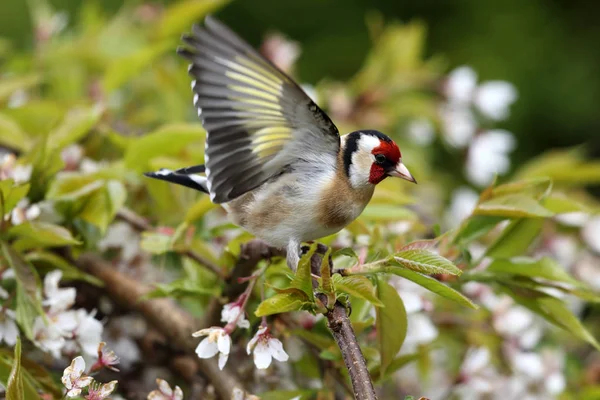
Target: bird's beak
{"points": [[402, 172]]}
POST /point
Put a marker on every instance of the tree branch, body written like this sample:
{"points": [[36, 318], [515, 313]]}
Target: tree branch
{"points": [[140, 224], [163, 314], [341, 329], [340, 326]]}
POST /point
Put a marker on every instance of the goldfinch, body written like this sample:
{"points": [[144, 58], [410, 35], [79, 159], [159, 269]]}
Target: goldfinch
{"points": [[274, 160]]}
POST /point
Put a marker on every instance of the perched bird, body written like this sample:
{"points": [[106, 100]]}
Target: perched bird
{"points": [[274, 160]]}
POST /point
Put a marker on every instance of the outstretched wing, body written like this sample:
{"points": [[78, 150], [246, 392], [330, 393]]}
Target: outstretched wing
{"points": [[257, 118]]}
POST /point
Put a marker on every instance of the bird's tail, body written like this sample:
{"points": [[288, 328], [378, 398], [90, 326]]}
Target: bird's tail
{"points": [[184, 176]]}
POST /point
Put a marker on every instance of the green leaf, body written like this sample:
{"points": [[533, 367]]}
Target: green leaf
{"points": [[11, 134], [544, 268], [125, 68], [169, 139], [391, 324], [512, 206], [534, 187], [516, 238], [303, 278], [394, 366], [181, 15], [475, 227], [9, 85], [435, 286], [47, 261], [101, 207], [70, 186], [41, 234], [560, 204], [556, 312], [12, 194], [346, 251], [14, 389], [564, 167], [283, 302], [28, 298], [326, 282], [156, 242], [199, 209], [76, 124], [358, 286], [387, 212], [425, 261]]}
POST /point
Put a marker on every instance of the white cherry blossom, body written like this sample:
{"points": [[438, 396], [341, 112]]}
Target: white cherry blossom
{"points": [[58, 299], [164, 392], [461, 84], [232, 313], [216, 341], [73, 377], [8, 327], [488, 156], [99, 391], [493, 99], [265, 347]]}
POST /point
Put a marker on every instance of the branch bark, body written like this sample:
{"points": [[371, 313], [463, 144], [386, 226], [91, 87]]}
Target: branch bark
{"points": [[164, 315], [340, 327]]}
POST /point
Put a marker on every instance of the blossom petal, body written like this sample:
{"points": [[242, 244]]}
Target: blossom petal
{"points": [[276, 348], [203, 332], [224, 343], [207, 349], [262, 356], [164, 387], [107, 388], [73, 392], [11, 332], [178, 393], [223, 360]]}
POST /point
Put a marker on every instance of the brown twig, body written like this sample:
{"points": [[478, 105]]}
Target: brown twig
{"points": [[163, 314], [140, 224], [340, 326]]}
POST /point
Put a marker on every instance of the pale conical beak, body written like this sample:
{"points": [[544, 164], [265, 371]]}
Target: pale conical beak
{"points": [[402, 172]]}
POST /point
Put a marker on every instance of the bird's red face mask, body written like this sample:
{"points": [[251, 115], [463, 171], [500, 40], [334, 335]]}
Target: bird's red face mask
{"points": [[388, 162]]}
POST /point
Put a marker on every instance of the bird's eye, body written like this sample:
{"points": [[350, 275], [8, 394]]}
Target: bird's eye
{"points": [[380, 158]]}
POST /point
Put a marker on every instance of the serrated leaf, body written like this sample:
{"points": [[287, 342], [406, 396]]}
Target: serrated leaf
{"points": [[544, 268], [420, 245], [75, 125], [516, 238], [168, 139], [425, 261], [512, 206], [358, 286], [14, 388], [391, 324], [434, 286], [283, 302], [536, 187], [33, 234]]}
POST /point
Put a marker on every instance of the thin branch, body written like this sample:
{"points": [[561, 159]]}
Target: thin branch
{"points": [[341, 329], [163, 314], [139, 223], [340, 326]]}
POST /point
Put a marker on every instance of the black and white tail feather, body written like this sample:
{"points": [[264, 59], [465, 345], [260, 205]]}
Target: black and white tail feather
{"points": [[184, 176]]}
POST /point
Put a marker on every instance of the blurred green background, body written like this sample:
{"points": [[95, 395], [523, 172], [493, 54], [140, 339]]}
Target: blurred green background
{"points": [[550, 49]]}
